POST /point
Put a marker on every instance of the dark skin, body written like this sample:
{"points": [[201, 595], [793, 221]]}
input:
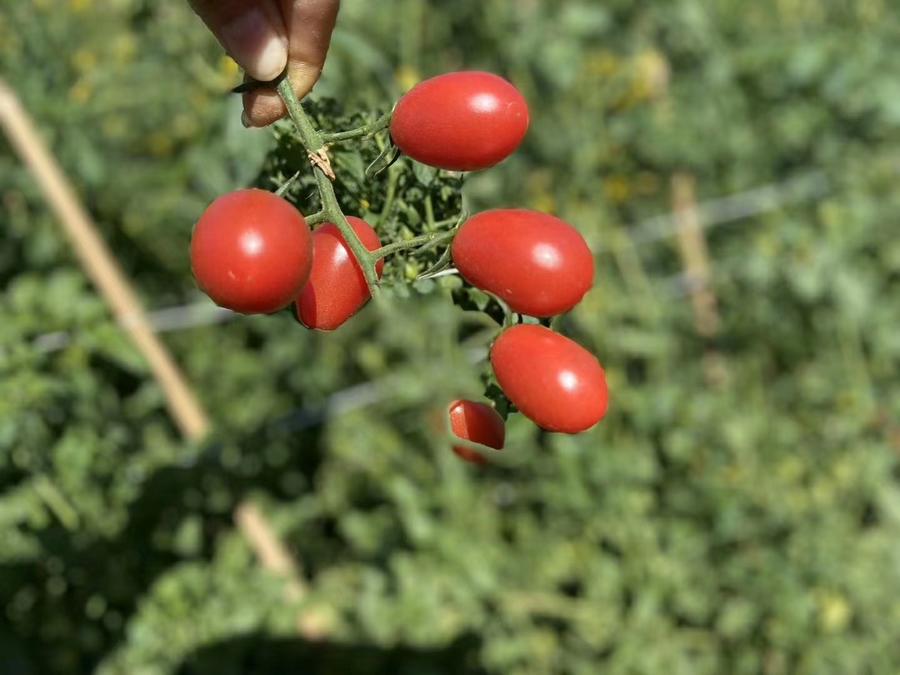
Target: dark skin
{"points": [[266, 36]]}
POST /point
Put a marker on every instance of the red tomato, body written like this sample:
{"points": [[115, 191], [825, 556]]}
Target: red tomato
{"points": [[251, 252], [479, 423], [337, 288], [551, 379], [461, 121], [539, 265]]}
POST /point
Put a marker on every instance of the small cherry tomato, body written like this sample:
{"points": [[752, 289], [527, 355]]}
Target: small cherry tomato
{"points": [[337, 288], [251, 252], [538, 264], [552, 380], [461, 121], [479, 423]]}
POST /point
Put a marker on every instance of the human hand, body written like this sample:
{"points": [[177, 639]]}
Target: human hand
{"points": [[264, 37]]}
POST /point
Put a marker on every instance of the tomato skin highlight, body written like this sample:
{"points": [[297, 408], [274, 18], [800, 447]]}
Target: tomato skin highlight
{"points": [[251, 252], [551, 379], [538, 264], [337, 288], [463, 121], [479, 423]]}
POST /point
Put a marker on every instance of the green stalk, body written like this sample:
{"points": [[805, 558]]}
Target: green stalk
{"points": [[364, 131], [315, 146], [316, 218], [424, 241]]}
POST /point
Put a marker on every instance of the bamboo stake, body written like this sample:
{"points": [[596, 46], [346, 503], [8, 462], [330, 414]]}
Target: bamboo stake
{"points": [[102, 268], [268, 548], [694, 255], [100, 265], [698, 272]]}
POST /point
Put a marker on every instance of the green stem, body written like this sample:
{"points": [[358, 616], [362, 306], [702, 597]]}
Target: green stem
{"points": [[360, 132], [316, 218], [390, 196], [331, 207], [56, 502], [309, 136], [429, 212], [424, 241], [287, 184], [312, 141]]}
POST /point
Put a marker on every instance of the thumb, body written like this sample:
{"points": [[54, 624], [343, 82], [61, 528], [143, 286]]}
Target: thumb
{"points": [[251, 31]]}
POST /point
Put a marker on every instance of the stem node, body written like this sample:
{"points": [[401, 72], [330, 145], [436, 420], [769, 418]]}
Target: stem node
{"points": [[324, 174]]}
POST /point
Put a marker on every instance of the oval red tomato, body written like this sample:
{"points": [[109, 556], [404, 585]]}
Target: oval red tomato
{"points": [[551, 379], [251, 251], [337, 288], [538, 264], [461, 121], [479, 423]]}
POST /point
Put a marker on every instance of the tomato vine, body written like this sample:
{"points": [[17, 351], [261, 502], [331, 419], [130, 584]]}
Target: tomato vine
{"points": [[511, 262]]}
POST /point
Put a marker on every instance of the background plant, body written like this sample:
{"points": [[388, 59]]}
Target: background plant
{"points": [[747, 527]]}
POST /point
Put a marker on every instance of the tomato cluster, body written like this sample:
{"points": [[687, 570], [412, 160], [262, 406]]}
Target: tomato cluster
{"points": [[253, 252]]}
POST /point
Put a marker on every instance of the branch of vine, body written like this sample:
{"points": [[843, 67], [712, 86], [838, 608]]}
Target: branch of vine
{"points": [[318, 154], [365, 131], [420, 244]]}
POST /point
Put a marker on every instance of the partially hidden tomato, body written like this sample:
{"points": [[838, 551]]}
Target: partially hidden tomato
{"points": [[251, 252], [337, 288], [551, 379], [479, 423], [461, 121], [538, 264]]}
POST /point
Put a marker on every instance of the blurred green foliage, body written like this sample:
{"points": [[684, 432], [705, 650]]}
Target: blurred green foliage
{"points": [[749, 526]]}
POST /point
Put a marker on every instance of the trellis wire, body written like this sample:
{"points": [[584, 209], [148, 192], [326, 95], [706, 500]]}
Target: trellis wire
{"points": [[808, 186]]}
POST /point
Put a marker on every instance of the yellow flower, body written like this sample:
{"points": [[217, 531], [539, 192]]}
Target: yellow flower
{"points": [[652, 74], [407, 77], [834, 612]]}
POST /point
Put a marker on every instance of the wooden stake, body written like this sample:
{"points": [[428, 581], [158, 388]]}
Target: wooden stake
{"points": [[268, 548], [698, 272], [694, 255], [103, 269], [100, 265]]}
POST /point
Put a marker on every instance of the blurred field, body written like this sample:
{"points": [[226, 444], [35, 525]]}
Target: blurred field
{"points": [[737, 512]]}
